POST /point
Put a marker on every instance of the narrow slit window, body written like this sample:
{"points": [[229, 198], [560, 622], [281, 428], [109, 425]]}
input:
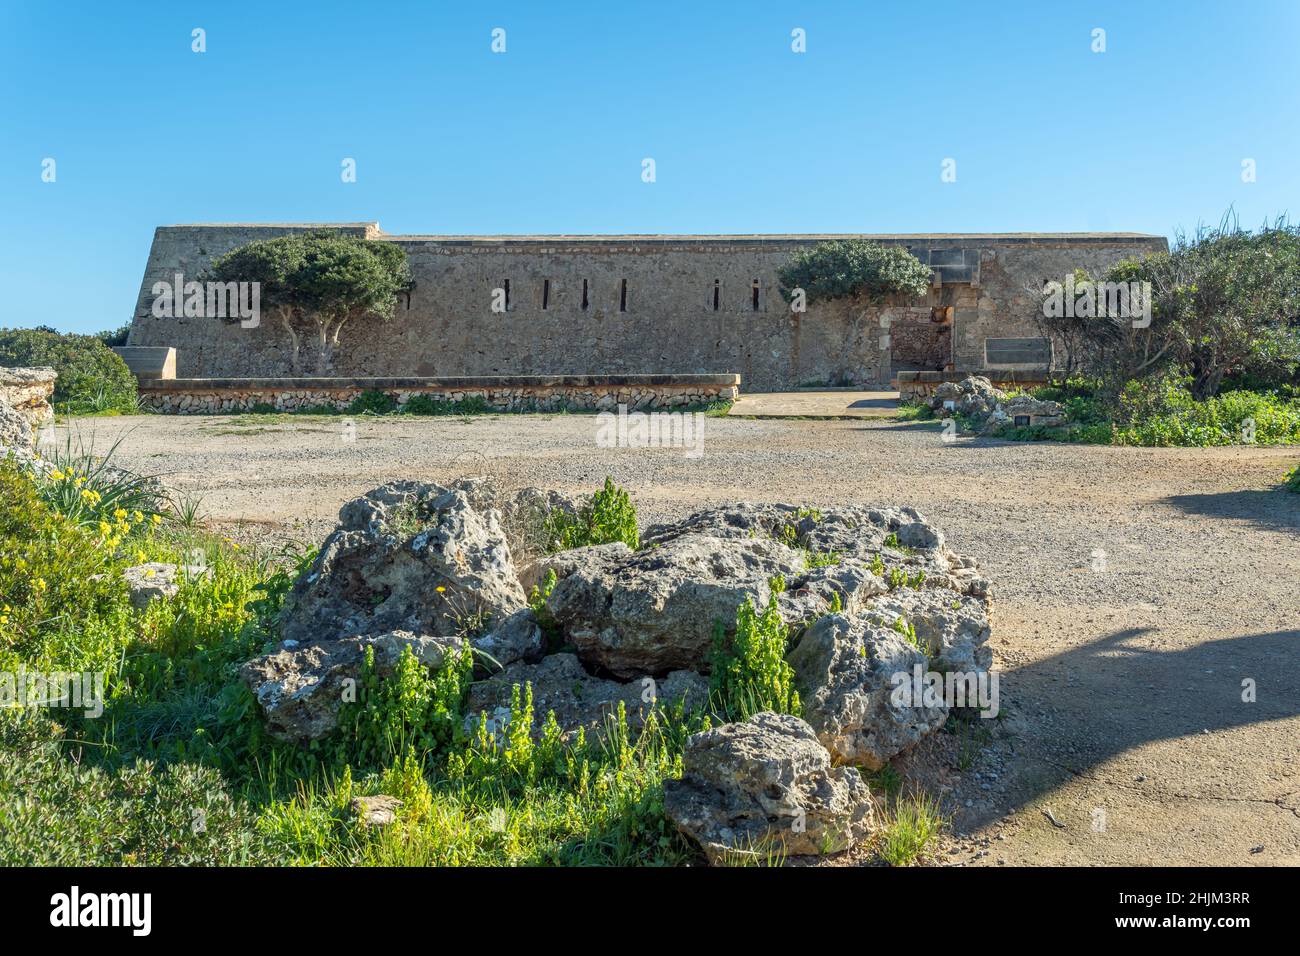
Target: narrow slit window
{"points": [[717, 294], [584, 295], [507, 290], [753, 296], [546, 294], [622, 295]]}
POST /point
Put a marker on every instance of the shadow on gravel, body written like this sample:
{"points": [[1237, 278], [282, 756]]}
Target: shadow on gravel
{"points": [[1113, 695], [1273, 510]]}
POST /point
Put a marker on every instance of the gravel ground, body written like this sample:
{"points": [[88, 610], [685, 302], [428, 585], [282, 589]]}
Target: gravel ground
{"points": [[1134, 591]]}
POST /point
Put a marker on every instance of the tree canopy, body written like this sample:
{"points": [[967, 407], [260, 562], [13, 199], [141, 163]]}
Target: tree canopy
{"points": [[318, 281], [841, 268]]}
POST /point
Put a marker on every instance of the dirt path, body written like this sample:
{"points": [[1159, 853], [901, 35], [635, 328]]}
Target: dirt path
{"points": [[1135, 591]]}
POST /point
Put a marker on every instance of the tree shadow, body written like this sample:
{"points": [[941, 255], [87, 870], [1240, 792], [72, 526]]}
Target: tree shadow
{"points": [[1113, 695], [1273, 510]]}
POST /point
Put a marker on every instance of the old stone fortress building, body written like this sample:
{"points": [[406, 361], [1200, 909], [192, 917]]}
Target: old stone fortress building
{"points": [[640, 306]]}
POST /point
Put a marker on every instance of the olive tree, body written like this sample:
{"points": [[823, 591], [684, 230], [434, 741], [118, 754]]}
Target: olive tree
{"points": [[315, 283], [1223, 302]]}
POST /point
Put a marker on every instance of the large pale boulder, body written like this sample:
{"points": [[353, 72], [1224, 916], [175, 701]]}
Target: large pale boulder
{"points": [[301, 687], [764, 786], [656, 610], [561, 685], [953, 628], [974, 396], [28, 391], [846, 669], [410, 556]]}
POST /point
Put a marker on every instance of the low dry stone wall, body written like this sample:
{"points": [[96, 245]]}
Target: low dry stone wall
{"points": [[524, 393]]}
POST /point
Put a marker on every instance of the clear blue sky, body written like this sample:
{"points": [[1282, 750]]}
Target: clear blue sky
{"points": [[747, 136]]}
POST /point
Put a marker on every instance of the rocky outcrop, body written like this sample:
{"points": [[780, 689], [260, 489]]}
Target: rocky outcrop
{"points": [[656, 610], [991, 409], [766, 787], [408, 556], [846, 669], [561, 685], [1021, 410], [301, 687], [868, 594], [24, 407], [973, 397]]}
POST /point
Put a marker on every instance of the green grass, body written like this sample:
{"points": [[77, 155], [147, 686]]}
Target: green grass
{"points": [[1292, 481], [907, 828]]}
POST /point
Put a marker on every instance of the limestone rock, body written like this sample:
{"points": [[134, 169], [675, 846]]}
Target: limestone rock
{"points": [[561, 684], [408, 556], [766, 784], [377, 811], [517, 638], [27, 391], [846, 669], [654, 610], [953, 628], [974, 396], [300, 687], [155, 580]]}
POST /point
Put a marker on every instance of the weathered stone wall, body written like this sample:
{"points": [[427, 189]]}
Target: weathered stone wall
{"points": [[649, 307], [215, 396]]}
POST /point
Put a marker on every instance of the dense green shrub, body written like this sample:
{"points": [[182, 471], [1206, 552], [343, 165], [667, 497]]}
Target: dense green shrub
{"points": [[608, 517], [373, 402], [93, 379], [1292, 480], [854, 267], [428, 405], [59, 812]]}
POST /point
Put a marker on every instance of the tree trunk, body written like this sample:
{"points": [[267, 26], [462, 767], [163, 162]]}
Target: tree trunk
{"points": [[295, 357]]}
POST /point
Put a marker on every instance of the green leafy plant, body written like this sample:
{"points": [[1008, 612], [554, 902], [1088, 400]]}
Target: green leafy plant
{"points": [[750, 673], [373, 402], [609, 516]]}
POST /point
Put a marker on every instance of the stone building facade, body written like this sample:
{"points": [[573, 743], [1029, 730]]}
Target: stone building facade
{"points": [[628, 305]]}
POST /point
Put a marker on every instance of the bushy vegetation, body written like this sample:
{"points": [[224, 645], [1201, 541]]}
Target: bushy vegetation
{"points": [[1292, 481], [609, 516], [1161, 411], [1215, 360], [1224, 302], [92, 378], [179, 769], [843, 268]]}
